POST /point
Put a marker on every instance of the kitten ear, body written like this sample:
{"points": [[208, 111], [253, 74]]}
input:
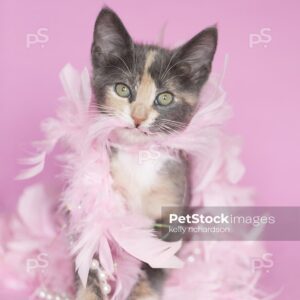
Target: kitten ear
{"points": [[110, 36], [195, 56]]}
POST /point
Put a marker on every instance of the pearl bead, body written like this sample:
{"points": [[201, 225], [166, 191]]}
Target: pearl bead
{"points": [[49, 297], [106, 289], [42, 295], [102, 276], [57, 297], [191, 259], [64, 296], [95, 264]]}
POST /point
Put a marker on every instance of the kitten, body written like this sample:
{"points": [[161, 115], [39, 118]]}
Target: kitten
{"points": [[155, 90]]}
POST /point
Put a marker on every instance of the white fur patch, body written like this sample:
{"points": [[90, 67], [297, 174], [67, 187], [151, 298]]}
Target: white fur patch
{"points": [[136, 173]]}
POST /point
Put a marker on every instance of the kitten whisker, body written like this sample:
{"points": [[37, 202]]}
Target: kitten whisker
{"points": [[123, 61], [178, 62], [118, 68], [175, 76], [166, 70], [173, 124], [173, 121], [109, 111], [166, 128]]}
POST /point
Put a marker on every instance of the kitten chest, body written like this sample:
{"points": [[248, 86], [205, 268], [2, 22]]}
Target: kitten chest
{"points": [[136, 174]]}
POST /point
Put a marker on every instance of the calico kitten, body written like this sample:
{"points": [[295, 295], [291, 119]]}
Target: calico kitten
{"points": [[155, 90]]}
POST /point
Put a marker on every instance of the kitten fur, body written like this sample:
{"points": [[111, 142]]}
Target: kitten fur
{"points": [[148, 71]]}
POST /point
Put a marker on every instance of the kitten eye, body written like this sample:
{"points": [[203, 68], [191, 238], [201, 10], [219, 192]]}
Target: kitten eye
{"points": [[122, 90], [164, 99]]}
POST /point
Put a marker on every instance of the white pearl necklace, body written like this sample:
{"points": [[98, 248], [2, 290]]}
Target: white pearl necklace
{"points": [[192, 257], [104, 285], [44, 294]]}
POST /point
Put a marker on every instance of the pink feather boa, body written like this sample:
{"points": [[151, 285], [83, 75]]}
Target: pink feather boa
{"points": [[100, 223], [34, 250]]}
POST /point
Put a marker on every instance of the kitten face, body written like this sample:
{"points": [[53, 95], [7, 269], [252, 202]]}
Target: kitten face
{"points": [[154, 89]]}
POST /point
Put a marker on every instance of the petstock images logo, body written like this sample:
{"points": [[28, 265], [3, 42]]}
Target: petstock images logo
{"points": [[230, 223]]}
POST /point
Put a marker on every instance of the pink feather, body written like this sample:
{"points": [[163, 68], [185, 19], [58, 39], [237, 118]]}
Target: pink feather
{"points": [[99, 221]]}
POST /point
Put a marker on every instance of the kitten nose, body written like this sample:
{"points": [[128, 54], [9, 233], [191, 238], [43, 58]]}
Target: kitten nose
{"points": [[138, 114], [137, 121]]}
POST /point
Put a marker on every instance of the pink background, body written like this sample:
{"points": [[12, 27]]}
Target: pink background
{"points": [[262, 84]]}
